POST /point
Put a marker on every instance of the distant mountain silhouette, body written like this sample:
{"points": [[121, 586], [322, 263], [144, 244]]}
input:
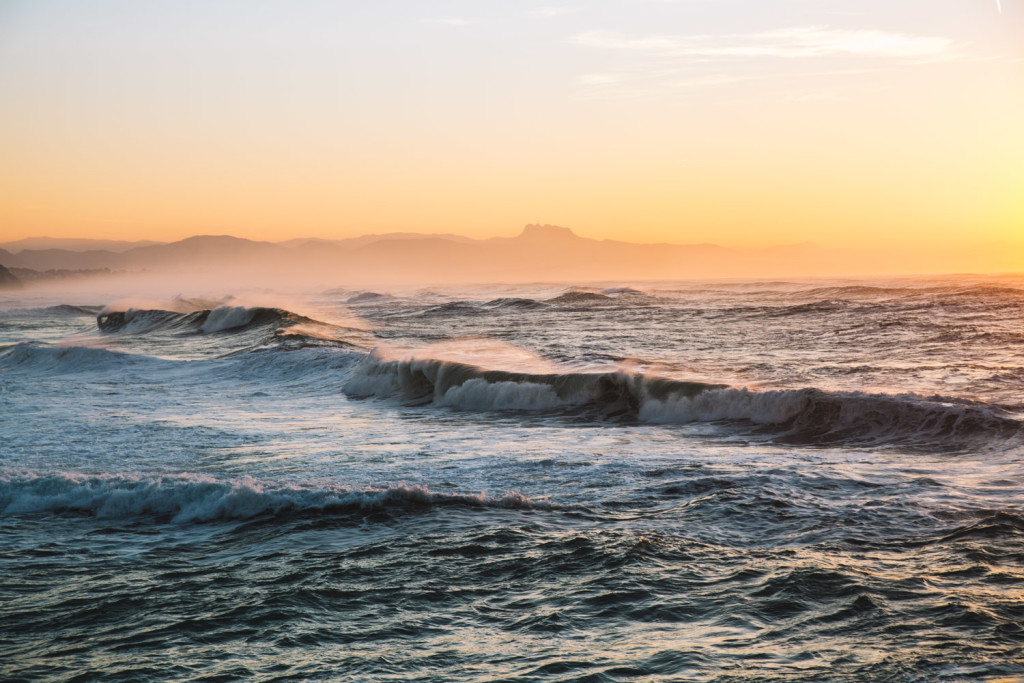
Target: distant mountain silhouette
{"points": [[204, 250], [539, 252], [547, 234], [366, 239], [51, 259], [8, 280], [74, 244]]}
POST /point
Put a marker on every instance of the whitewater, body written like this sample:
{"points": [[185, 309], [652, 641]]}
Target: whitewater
{"points": [[799, 480]]}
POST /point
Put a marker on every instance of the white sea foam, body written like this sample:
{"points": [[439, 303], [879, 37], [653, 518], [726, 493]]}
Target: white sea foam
{"points": [[479, 394]]}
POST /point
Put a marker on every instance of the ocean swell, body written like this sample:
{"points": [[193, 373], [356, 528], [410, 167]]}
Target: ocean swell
{"points": [[34, 357], [195, 498], [816, 417]]}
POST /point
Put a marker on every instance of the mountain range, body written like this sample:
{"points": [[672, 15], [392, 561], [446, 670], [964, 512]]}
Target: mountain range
{"points": [[538, 253]]}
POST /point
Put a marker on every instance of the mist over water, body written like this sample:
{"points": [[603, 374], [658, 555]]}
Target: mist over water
{"points": [[708, 481]]}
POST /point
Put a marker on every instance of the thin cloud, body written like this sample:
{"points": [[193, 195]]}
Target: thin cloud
{"points": [[663, 80], [552, 11], [789, 43], [453, 21], [650, 83]]}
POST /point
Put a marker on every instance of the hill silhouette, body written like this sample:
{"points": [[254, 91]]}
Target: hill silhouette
{"points": [[8, 279], [537, 253]]}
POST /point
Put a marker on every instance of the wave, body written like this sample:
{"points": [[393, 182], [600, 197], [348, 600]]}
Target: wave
{"points": [[196, 498], [256, 327], [812, 308], [58, 311], [815, 417], [35, 357], [577, 298], [805, 416], [207, 321], [449, 308], [617, 296], [515, 303], [423, 381], [306, 364], [868, 292], [370, 298], [970, 293]]}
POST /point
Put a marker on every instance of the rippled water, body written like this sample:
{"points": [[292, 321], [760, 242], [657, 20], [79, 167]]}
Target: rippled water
{"points": [[791, 481]]}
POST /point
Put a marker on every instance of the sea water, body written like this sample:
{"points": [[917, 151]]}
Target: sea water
{"points": [[700, 481]]}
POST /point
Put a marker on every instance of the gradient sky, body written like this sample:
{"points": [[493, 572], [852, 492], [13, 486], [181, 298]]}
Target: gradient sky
{"points": [[854, 123]]}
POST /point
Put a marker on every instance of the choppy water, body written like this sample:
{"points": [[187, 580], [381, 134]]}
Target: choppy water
{"points": [[791, 481]]}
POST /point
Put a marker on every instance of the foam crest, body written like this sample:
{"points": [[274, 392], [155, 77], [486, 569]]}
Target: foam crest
{"points": [[479, 394], [196, 498]]}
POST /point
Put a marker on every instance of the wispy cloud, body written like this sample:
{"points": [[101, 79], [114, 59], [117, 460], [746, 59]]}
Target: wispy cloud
{"points": [[789, 43], [669, 79], [451, 21], [645, 83], [552, 11]]}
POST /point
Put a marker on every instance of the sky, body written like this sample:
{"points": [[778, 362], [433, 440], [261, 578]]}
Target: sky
{"points": [[848, 123]]}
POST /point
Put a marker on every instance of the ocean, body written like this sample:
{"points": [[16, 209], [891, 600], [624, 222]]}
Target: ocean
{"points": [[719, 481]]}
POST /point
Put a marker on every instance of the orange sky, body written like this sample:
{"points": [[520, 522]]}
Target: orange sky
{"points": [[856, 125]]}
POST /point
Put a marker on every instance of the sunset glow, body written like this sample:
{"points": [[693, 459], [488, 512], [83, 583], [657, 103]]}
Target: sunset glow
{"points": [[847, 124]]}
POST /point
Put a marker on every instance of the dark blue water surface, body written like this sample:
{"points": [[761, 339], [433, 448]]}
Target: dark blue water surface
{"points": [[785, 481]]}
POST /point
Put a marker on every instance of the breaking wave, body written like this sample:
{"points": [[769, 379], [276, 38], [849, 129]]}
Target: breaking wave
{"points": [[423, 381], [806, 416], [255, 327], [196, 498], [208, 321]]}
